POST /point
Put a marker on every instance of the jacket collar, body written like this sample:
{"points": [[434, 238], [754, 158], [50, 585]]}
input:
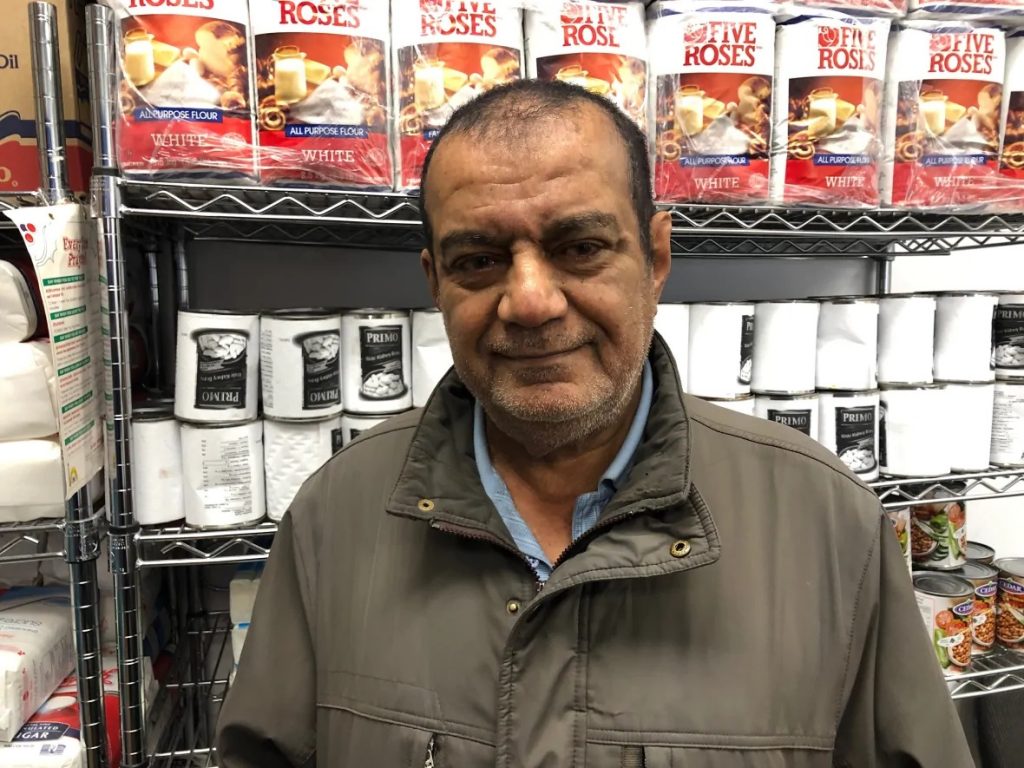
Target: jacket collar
{"points": [[439, 482]]}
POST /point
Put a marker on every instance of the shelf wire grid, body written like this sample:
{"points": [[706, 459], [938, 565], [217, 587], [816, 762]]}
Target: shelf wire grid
{"points": [[998, 673], [994, 483], [32, 541], [185, 711], [184, 545]]}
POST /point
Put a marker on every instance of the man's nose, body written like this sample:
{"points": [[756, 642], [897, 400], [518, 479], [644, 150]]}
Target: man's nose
{"points": [[533, 293]]}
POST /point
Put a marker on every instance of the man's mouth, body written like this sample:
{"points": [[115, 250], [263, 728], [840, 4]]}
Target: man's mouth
{"points": [[537, 355]]}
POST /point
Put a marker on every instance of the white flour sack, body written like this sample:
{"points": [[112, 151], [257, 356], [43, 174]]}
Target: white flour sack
{"points": [[597, 45], [321, 76], [828, 110], [446, 53], [943, 115], [184, 91], [711, 72], [887, 8]]}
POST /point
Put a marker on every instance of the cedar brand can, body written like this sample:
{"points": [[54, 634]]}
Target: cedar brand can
{"points": [[938, 535], [217, 371], [946, 603], [980, 553], [901, 522], [985, 580], [377, 355], [223, 470], [797, 411], [1010, 603], [848, 426], [300, 364], [1008, 424]]}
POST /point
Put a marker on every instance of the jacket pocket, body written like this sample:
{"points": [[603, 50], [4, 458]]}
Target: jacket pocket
{"points": [[637, 756], [347, 739]]}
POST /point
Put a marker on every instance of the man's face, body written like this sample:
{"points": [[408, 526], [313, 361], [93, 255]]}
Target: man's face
{"points": [[547, 297]]}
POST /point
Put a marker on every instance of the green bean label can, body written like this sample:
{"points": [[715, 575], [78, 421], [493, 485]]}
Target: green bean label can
{"points": [[938, 535]]}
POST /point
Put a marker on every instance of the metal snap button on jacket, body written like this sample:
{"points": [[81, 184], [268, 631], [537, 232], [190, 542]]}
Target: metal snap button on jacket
{"points": [[680, 548], [426, 505], [513, 606]]}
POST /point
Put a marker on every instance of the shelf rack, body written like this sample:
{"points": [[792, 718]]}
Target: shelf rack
{"points": [[1001, 672], [32, 541], [181, 545]]}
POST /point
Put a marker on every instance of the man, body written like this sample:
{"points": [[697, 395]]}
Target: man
{"points": [[562, 560]]}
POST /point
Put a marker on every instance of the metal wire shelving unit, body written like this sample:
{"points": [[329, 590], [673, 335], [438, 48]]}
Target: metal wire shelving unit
{"points": [[202, 211]]}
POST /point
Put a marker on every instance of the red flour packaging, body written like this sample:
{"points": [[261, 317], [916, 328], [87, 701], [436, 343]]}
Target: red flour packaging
{"points": [[185, 96], [888, 8], [943, 115], [322, 91], [1011, 154], [828, 108], [599, 46], [446, 52], [711, 68], [1011, 11]]}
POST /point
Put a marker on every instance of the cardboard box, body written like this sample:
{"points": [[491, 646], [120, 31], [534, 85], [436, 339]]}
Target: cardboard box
{"points": [[19, 159]]}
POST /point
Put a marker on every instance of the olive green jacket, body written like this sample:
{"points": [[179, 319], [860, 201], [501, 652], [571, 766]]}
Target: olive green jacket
{"points": [[741, 602]]}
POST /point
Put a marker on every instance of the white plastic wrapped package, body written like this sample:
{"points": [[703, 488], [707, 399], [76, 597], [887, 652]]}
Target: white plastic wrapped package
{"points": [[32, 479], [184, 94], [36, 651], [242, 592], [445, 55], [943, 116], [51, 737], [17, 309], [322, 91], [599, 46], [828, 95], [431, 354], [711, 70], [28, 396]]}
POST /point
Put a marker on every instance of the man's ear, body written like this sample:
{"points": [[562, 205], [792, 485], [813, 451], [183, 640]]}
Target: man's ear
{"points": [[430, 270], [661, 249]]}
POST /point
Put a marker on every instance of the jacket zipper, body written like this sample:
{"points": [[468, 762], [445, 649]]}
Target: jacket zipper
{"points": [[428, 761], [591, 534], [475, 534]]}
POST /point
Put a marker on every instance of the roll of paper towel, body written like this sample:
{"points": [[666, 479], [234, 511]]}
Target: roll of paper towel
{"points": [[32, 479], [27, 391], [292, 451], [431, 354], [17, 310], [785, 335], [673, 323]]}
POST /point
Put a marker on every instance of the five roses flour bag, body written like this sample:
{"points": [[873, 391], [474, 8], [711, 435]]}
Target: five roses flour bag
{"points": [[185, 98], [711, 72], [446, 53], [321, 72], [943, 110], [828, 110], [599, 46]]}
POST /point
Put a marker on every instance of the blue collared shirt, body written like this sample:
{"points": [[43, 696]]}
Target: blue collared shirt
{"points": [[588, 507]]}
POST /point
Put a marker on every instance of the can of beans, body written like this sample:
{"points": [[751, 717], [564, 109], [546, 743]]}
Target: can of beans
{"points": [[797, 411], [223, 474], [1010, 603], [1008, 336], [938, 534], [1008, 424], [980, 553], [900, 519], [946, 603], [300, 364], [985, 580], [217, 366], [377, 350], [848, 426]]}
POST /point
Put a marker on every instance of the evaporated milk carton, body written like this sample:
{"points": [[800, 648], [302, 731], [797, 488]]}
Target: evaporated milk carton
{"points": [[711, 68], [446, 53], [184, 91], [596, 45], [322, 91]]}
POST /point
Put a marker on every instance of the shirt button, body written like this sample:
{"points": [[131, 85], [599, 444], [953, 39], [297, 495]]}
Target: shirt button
{"points": [[513, 606]]}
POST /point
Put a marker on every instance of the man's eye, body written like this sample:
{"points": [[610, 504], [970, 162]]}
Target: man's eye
{"points": [[582, 251], [476, 263]]}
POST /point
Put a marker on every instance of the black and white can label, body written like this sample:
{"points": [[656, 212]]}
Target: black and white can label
{"points": [[353, 425], [849, 427], [223, 473], [721, 350], [1008, 337], [799, 412], [300, 359], [1008, 424], [377, 353], [217, 372]]}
